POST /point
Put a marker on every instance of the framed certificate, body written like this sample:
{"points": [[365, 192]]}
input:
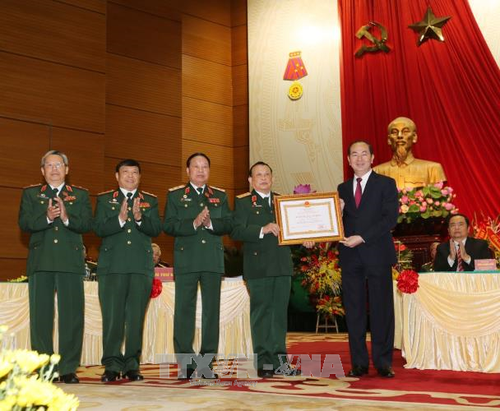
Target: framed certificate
{"points": [[314, 217]]}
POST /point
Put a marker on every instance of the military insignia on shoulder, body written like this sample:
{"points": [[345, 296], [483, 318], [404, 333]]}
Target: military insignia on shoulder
{"points": [[219, 189], [276, 194], [32, 185], [80, 187], [149, 194], [177, 187], [243, 195], [105, 192]]}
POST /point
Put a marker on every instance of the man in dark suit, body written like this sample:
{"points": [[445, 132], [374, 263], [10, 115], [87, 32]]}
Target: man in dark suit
{"points": [[267, 269], [367, 253], [461, 251], [197, 215], [126, 219], [56, 214]]}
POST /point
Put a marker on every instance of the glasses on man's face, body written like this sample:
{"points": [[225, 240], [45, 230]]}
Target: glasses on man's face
{"points": [[57, 166]]}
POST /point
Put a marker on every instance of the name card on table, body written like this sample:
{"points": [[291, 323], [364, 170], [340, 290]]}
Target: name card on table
{"points": [[165, 274], [485, 264]]}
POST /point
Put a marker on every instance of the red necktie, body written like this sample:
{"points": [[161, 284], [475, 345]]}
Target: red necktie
{"points": [[358, 193], [460, 261]]}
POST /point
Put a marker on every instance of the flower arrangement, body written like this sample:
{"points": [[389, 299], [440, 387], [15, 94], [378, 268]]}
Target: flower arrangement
{"points": [[21, 279], [432, 201], [26, 381], [157, 288], [408, 281], [321, 277], [488, 229], [405, 259]]}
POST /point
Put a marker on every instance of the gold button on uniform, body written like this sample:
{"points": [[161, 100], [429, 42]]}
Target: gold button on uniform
{"points": [[129, 242], [129, 219], [56, 240], [56, 228], [129, 230], [203, 241], [255, 253], [129, 209]]}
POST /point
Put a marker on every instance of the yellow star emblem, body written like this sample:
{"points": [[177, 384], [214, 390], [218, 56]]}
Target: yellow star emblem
{"points": [[429, 27]]}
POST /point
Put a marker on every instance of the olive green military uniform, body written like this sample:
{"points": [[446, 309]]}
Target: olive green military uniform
{"points": [[125, 273], [267, 268], [198, 258], [56, 264]]}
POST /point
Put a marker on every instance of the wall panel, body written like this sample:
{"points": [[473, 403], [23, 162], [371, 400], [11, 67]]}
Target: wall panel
{"points": [[205, 80], [143, 36], [217, 11], [32, 140], [53, 31], [207, 131], [206, 110], [206, 40], [240, 125], [169, 9], [38, 91], [240, 85], [85, 153], [143, 135], [239, 45], [17, 243], [98, 6], [145, 86], [11, 268]]}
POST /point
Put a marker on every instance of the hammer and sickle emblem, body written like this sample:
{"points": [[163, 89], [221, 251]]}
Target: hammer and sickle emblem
{"points": [[378, 44]]}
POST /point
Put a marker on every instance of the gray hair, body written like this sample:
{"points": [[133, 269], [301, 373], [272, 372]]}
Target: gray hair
{"points": [[55, 153]]}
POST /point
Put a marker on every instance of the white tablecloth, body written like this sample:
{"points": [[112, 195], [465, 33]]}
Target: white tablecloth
{"points": [[235, 335], [452, 322]]}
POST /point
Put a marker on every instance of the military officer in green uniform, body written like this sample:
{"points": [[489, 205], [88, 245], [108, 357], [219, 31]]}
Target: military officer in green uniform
{"points": [[126, 219], [197, 215], [267, 268], [56, 214]]}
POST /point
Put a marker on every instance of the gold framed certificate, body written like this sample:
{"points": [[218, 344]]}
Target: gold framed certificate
{"points": [[309, 217]]}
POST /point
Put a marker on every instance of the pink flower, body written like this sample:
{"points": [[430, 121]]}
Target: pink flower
{"points": [[422, 209], [448, 206], [444, 192], [437, 203], [420, 198], [302, 189], [419, 193], [430, 201], [439, 185], [412, 202], [423, 204], [404, 199]]}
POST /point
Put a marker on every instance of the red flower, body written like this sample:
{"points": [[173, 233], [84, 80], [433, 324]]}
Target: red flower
{"points": [[157, 288], [408, 281]]}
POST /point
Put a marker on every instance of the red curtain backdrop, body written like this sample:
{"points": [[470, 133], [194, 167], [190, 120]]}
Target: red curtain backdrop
{"points": [[451, 90]]}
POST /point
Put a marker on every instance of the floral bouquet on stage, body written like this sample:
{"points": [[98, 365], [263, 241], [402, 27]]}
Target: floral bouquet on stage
{"points": [[432, 201], [408, 281], [488, 229], [405, 259], [321, 277], [26, 381]]}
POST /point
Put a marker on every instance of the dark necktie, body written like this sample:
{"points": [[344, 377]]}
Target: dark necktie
{"points": [[460, 261], [200, 190], [129, 197], [358, 193]]}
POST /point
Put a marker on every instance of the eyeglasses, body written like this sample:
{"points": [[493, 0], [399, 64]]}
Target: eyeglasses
{"points": [[57, 166]]}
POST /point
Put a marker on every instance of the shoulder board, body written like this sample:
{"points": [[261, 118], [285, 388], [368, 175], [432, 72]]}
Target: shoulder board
{"points": [[80, 187], [217, 188], [276, 194], [244, 195], [149, 194], [33, 185], [177, 187], [105, 192]]}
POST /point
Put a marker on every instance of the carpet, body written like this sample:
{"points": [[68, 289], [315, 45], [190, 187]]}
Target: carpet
{"points": [[417, 388]]}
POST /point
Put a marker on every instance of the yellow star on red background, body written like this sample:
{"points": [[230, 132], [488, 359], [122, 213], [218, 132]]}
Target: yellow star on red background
{"points": [[429, 27]]}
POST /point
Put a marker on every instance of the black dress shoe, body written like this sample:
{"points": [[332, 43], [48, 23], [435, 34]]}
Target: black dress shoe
{"points": [[70, 378], [357, 371], [134, 375], [265, 373], [110, 376], [185, 376], [386, 372]]}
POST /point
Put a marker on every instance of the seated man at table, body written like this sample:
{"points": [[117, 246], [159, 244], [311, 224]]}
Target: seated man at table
{"points": [[157, 257], [429, 266], [461, 251]]}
